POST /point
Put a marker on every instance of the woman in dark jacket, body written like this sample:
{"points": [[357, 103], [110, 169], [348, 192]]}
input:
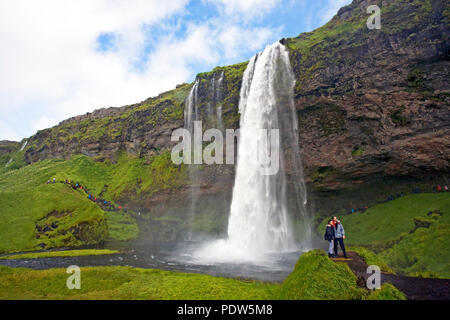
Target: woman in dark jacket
{"points": [[329, 236]]}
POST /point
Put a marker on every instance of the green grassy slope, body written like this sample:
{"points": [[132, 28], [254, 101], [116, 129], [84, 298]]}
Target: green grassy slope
{"points": [[21, 210], [128, 176], [315, 277], [411, 234], [26, 201]]}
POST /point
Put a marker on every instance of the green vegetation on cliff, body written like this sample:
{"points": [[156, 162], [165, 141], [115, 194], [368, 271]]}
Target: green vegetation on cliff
{"points": [[329, 46]]}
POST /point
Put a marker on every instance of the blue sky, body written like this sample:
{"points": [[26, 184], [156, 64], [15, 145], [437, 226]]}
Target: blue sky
{"points": [[61, 58]]}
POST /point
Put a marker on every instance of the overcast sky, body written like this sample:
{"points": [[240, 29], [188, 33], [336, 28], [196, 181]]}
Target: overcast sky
{"points": [[61, 58]]}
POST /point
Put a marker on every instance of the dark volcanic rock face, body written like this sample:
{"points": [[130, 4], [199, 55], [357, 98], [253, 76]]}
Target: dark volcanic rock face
{"points": [[377, 101], [373, 105]]}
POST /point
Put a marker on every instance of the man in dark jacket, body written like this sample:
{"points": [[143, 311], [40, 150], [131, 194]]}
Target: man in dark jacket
{"points": [[329, 236], [339, 237]]}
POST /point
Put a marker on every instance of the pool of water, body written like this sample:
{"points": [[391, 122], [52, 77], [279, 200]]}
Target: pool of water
{"points": [[174, 257]]}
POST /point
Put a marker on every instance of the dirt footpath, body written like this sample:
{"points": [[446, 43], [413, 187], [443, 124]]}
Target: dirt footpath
{"points": [[413, 288]]}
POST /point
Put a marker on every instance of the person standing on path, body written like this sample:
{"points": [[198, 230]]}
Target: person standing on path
{"points": [[329, 236], [339, 237]]}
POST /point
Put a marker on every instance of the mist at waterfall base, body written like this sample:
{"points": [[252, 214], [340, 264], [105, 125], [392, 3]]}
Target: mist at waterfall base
{"points": [[260, 230]]}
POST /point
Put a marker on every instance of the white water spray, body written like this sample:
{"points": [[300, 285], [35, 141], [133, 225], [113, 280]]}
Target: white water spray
{"points": [[259, 221], [24, 145]]}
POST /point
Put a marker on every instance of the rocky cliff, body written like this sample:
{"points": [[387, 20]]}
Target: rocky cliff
{"points": [[375, 101]]}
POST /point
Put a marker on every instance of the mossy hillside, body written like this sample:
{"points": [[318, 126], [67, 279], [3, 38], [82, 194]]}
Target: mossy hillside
{"points": [[328, 46], [424, 253], [387, 221], [344, 195], [410, 234], [134, 176], [81, 221], [315, 277], [62, 253], [11, 157], [101, 130], [28, 201], [121, 226], [133, 120], [6, 149], [129, 176], [417, 14], [32, 206], [230, 92], [316, 50]]}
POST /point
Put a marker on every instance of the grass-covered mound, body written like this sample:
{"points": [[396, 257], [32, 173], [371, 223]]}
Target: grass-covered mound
{"points": [[411, 234], [317, 277]]}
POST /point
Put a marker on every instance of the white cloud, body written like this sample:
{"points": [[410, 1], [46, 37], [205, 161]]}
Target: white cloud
{"points": [[233, 38], [43, 122], [49, 64], [7, 132], [249, 8], [50, 68]]}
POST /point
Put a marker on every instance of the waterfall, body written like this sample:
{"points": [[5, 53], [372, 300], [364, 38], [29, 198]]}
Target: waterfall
{"points": [[259, 221], [258, 215], [191, 108], [191, 114], [210, 111], [24, 145]]}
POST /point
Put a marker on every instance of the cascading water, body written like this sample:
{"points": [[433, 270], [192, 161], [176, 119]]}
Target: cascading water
{"points": [[196, 110], [191, 114], [259, 221], [24, 145]]}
